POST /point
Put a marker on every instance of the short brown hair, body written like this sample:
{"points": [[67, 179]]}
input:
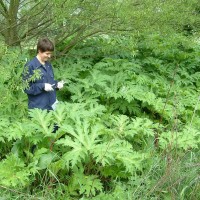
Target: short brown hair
{"points": [[44, 44]]}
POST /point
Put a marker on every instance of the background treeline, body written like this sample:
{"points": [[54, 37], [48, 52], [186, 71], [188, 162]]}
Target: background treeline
{"points": [[128, 116]]}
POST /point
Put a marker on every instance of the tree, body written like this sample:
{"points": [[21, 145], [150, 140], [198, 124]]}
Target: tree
{"points": [[22, 20], [70, 22]]}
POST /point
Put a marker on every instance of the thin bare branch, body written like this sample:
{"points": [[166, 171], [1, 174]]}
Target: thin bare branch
{"points": [[35, 27], [36, 14], [31, 36], [3, 13]]}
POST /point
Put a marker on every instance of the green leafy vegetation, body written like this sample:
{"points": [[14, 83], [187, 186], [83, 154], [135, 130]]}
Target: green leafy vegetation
{"points": [[128, 121]]}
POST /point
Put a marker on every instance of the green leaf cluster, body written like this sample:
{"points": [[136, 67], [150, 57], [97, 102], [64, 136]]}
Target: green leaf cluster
{"points": [[128, 122]]}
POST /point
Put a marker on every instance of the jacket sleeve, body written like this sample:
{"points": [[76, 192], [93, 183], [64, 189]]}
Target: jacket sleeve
{"points": [[31, 87]]}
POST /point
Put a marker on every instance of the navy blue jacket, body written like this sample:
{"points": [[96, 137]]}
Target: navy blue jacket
{"points": [[37, 96]]}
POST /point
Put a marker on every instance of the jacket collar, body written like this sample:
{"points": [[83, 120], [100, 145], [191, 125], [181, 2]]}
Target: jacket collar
{"points": [[37, 63]]}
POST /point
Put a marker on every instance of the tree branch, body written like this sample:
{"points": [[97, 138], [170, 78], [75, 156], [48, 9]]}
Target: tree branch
{"points": [[24, 3], [35, 27], [71, 33], [38, 13], [1, 12], [76, 40], [32, 36]]}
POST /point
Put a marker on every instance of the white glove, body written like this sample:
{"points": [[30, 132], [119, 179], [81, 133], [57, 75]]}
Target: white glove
{"points": [[48, 87], [60, 84]]}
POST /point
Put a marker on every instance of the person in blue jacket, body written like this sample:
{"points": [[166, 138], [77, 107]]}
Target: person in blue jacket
{"points": [[41, 89]]}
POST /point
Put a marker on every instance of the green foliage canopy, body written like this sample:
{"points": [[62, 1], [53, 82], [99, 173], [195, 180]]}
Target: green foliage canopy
{"points": [[70, 22]]}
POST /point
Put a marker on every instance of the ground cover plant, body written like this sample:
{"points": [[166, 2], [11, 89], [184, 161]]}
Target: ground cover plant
{"points": [[128, 123]]}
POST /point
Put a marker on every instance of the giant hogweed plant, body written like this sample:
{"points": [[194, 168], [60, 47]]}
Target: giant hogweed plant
{"points": [[158, 84], [159, 81], [89, 144], [117, 104]]}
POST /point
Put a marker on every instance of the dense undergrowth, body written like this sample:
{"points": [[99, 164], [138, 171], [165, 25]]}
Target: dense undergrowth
{"points": [[128, 122]]}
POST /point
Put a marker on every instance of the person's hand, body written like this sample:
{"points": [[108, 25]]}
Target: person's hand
{"points": [[48, 87], [60, 84]]}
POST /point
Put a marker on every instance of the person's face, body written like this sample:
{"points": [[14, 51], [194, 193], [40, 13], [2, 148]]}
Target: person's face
{"points": [[45, 56]]}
